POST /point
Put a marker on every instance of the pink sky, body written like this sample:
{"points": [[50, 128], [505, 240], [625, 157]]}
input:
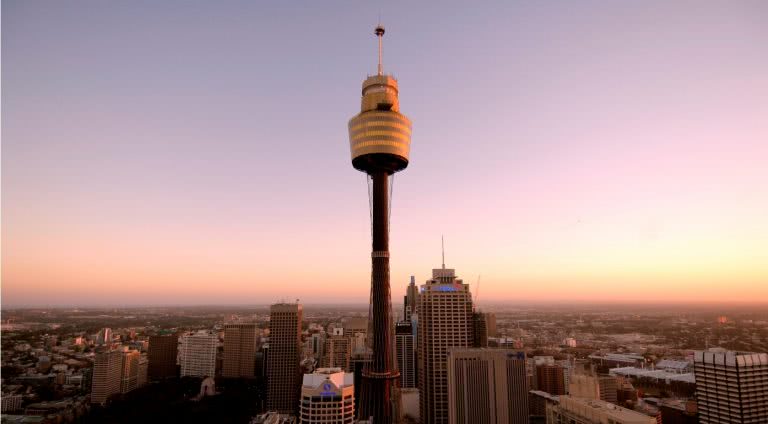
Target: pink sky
{"points": [[174, 153]]}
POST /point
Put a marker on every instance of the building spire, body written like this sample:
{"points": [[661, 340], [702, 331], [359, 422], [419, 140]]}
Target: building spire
{"points": [[442, 243], [380, 34]]}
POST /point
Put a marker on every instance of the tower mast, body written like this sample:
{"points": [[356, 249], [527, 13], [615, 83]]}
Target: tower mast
{"points": [[380, 138]]}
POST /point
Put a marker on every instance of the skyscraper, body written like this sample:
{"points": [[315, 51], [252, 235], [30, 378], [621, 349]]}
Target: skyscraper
{"points": [[380, 138], [106, 378], [406, 353], [327, 396], [239, 350], [410, 300], [161, 354], [445, 322], [198, 354], [283, 371], [487, 386], [479, 330], [338, 350], [129, 378], [731, 387]]}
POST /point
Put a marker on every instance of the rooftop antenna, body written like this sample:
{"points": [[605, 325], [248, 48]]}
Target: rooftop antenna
{"points": [[380, 33], [442, 243]]}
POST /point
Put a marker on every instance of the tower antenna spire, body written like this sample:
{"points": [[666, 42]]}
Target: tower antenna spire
{"points": [[442, 243], [380, 34]]}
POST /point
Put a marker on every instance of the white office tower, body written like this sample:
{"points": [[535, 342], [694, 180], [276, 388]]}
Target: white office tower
{"points": [[731, 387], [405, 352], [197, 354], [327, 396]]}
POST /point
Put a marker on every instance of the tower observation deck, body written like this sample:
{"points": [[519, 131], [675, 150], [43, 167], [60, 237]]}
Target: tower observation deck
{"points": [[380, 141]]}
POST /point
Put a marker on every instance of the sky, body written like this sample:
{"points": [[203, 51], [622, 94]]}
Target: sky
{"points": [[191, 152]]}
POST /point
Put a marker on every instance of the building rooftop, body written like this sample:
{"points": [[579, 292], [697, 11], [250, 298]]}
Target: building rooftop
{"points": [[602, 412], [654, 374], [336, 376]]}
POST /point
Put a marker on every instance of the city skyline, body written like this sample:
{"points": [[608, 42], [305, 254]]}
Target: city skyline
{"points": [[197, 154]]}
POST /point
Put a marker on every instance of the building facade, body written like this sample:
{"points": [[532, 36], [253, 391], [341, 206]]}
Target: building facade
{"points": [[571, 410], [198, 354], [106, 377], [240, 342], [162, 353], [550, 379], [283, 372], [327, 396], [487, 386], [405, 347], [129, 379], [445, 322], [731, 387]]}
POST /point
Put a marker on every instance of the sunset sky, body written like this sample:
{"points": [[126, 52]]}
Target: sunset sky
{"points": [[190, 152]]}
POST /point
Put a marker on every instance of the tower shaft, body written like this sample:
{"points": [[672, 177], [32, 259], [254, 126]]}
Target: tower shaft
{"points": [[379, 377]]}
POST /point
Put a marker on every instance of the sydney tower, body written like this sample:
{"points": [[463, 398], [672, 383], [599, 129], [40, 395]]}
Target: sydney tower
{"points": [[380, 140]]}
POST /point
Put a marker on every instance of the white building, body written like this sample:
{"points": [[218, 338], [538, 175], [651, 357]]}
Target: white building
{"points": [[327, 396], [197, 354]]}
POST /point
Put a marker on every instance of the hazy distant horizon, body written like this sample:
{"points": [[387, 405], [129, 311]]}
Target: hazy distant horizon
{"points": [[197, 152]]}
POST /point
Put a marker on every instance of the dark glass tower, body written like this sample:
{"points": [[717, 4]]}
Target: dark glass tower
{"points": [[380, 140]]}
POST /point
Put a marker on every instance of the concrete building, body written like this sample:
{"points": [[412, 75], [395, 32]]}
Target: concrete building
{"points": [[10, 403], [327, 396], [410, 300], [487, 386], [106, 379], [240, 342], [143, 369], [283, 372], [197, 354], [731, 387], [445, 322], [550, 379], [405, 353], [129, 378], [490, 324], [338, 350], [571, 410], [162, 355], [604, 387]]}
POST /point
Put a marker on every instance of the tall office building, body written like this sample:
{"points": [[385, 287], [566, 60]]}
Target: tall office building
{"points": [[327, 396], [162, 353], [197, 354], [380, 142], [406, 353], [143, 369], [129, 378], [479, 330], [573, 410], [338, 350], [731, 387], [283, 372], [445, 322], [604, 387], [106, 377], [550, 379], [240, 342], [487, 386], [410, 300], [490, 324]]}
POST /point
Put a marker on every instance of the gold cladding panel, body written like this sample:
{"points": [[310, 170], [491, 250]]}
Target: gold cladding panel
{"points": [[380, 132]]}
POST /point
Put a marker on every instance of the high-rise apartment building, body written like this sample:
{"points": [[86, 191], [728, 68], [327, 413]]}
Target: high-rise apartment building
{"points": [[162, 353], [445, 322], [731, 387], [487, 386], [240, 342], [106, 377], [406, 353], [197, 354], [327, 396], [490, 324], [550, 379], [338, 350], [129, 378], [410, 300], [283, 372], [571, 410]]}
